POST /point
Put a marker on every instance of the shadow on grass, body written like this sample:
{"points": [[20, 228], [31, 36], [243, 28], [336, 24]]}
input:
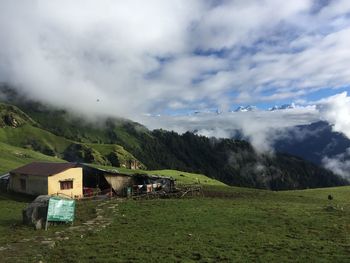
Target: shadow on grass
{"points": [[18, 197]]}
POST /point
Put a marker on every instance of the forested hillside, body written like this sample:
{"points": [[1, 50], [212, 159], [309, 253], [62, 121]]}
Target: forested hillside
{"points": [[313, 142], [118, 142]]}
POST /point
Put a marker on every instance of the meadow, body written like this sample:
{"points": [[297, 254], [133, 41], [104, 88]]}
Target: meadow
{"points": [[229, 224]]}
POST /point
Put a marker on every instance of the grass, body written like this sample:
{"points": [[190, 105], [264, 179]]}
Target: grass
{"points": [[30, 137], [26, 134], [24, 241], [12, 157], [29, 134], [105, 149], [242, 225], [180, 177], [188, 178]]}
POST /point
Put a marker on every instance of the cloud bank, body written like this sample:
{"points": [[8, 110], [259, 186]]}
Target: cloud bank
{"points": [[336, 110], [339, 164], [128, 58], [261, 127], [156, 56]]}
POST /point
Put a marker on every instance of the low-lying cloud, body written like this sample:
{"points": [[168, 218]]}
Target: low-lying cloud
{"points": [[260, 127], [336, 110], [339, 164]]}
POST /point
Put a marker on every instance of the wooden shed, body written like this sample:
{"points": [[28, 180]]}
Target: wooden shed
{"points": [[118, 183]]}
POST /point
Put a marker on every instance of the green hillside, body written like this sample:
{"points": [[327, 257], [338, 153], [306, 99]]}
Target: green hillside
{"points": [[122, 143], [11, 116], [20, 130], [12, 157]]}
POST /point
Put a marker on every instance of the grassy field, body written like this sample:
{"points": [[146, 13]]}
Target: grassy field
{"points": [[12, 157], [238, 225]]}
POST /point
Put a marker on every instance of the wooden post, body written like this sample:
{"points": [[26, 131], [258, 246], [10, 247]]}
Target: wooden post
{"points": [[47, 215]]}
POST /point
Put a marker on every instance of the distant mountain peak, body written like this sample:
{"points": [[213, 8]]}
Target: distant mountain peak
{"points": [[283, 107], [245, 108]]}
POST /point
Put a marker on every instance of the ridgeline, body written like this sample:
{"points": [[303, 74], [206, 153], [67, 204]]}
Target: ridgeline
{"points": [[56, 133]]}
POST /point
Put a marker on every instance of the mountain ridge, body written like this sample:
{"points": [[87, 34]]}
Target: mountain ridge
{"points": [[233, 162]]}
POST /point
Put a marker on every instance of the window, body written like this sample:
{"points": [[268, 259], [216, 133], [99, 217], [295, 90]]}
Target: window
{"points": [[66, 185], [23, 184]]}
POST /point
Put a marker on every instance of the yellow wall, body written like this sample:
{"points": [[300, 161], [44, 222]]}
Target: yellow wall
{"points": [[74, 173], [43, 185], [35, 185]]}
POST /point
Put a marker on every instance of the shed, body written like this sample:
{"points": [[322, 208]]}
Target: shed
{"points": [[118, 182], [4, 182], [94, 177]]}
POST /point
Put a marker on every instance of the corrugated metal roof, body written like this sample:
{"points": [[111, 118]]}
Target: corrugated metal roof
{"points": [[4, 176], [44, 168]]}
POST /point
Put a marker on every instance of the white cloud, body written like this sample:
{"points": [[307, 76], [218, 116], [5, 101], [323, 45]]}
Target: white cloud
{"points": [[261, 128], [148, 56], [336, 110], [340, 164]]}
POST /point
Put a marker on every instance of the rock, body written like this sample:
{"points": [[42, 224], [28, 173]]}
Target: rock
{"points": [[39, 224], [10, 120], [73, 228], [35, 213], [49, 243], [3, 248]]}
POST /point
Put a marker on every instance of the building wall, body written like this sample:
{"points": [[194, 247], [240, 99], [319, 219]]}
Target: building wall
{"points": [[118, 183], [76, 174], [35, 185], [43, 185]]}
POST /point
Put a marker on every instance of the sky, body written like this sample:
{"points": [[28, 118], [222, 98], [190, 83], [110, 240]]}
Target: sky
{"points": [[135, 58]]}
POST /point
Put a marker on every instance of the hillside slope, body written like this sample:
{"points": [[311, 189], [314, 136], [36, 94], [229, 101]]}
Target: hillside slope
{"points": [[313, 142], [12, 157], [233, 162], [19, 130]]}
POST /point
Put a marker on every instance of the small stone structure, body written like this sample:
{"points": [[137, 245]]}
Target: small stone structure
{"points": [[36, 212]]}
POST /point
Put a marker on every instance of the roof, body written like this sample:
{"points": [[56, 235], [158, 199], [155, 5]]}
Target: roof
{"points": [[97, 168], [153, 176], [5, 176], [44, 168], [116, 172]]}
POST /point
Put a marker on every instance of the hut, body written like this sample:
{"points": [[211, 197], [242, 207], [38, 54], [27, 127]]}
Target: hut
{"points": [[4, 182], [123, 184], [45, 178]]}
